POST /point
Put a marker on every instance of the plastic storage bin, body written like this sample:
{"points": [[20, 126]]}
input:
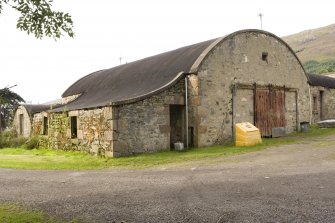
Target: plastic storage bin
{"points": [[246, 134]]}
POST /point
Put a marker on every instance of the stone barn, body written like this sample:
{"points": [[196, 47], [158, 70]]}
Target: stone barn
{"points": [[322, 97], [23, 119], [194, 94]]}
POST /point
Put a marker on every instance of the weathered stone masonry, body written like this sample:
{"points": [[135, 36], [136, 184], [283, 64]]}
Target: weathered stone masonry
{"points": [[133, 128], [322, 103], [94, 131], [139, 107], [237, 61], [144, 126]]}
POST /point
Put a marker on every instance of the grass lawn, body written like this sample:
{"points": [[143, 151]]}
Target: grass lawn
{"points": [[56, 159], [12, 213]]}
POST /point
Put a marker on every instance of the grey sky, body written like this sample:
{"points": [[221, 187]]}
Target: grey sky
{"points": [[107, 30]]}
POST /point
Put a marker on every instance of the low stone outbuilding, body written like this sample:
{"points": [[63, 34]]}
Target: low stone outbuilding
{"points": [[322, 97], [193, 94], [23, 119]]}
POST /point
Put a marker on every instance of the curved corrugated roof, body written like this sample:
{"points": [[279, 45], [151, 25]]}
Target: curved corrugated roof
{"points": [[135, 80], [36, 108], [321, 80], [140, 79], [33, 109]]}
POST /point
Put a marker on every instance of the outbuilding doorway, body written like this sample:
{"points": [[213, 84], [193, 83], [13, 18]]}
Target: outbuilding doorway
{"points": [[269, 110], [176, 124], [321, 105]]}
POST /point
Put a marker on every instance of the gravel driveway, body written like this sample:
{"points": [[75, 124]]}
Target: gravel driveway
{"points": [[291, 183]]}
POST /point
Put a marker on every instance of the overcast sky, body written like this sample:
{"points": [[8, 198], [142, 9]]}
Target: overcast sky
{"points": [[106, 30]]}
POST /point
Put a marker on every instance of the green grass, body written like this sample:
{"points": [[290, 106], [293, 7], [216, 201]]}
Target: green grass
{"points": [[12, 213], [48, 159], [57, 159]]}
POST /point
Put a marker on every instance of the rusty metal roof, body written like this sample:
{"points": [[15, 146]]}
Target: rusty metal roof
{"points": [[321, 80]]}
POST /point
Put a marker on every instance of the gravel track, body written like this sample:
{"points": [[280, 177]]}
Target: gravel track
{"points": [[290, 183]]}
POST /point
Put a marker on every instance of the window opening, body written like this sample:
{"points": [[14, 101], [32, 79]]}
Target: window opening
{"points": [[73, 127], [45, 126], [265, 56]]}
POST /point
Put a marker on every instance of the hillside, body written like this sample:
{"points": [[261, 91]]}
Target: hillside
{"points": [[315, 48], [315, 44]]}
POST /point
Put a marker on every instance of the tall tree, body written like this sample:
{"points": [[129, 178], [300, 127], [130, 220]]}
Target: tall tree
{"points": [[38, 18], [9, 100]]}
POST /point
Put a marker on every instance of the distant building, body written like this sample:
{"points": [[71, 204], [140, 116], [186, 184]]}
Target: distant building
{"points": [[322, 97], [193, 94], [23, 119]]}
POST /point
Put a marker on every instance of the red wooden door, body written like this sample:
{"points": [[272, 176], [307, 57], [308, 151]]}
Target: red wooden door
{"points": [[269, 110]]}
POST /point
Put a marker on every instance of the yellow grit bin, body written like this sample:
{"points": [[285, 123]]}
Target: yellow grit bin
{"points": [[246, 134]]}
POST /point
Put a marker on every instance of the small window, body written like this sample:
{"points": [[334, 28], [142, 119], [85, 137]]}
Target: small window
{"points": [[73, 127], [45, 125], [265, 56]]}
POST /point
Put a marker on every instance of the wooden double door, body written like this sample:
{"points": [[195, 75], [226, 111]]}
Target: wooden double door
{"points": [[269, 110]]}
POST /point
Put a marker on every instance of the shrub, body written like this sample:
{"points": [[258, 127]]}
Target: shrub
{"points": [[32, 143], [9, 139], [315, 67]]}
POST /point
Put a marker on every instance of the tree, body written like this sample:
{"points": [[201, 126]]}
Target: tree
{"points": [[9, 100], [38, 18]]}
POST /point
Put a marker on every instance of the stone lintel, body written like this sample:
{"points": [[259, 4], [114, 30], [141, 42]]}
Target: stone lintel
{"points": [[174, 100], [73, 113]]}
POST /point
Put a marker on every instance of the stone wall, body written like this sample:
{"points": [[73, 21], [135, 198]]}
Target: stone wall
{"points": [[240, 60], [144, 126], [139, 127], [38, 129], [291, 112], [328, 103], [94, 131]]}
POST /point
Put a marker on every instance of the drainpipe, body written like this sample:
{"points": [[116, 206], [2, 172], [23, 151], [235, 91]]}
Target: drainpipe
{"points": [[297, 110], [186, 110], [233, 110]]}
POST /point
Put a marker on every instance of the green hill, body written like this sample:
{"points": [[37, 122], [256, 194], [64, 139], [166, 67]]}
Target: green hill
{"points": [[315, 48]]}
